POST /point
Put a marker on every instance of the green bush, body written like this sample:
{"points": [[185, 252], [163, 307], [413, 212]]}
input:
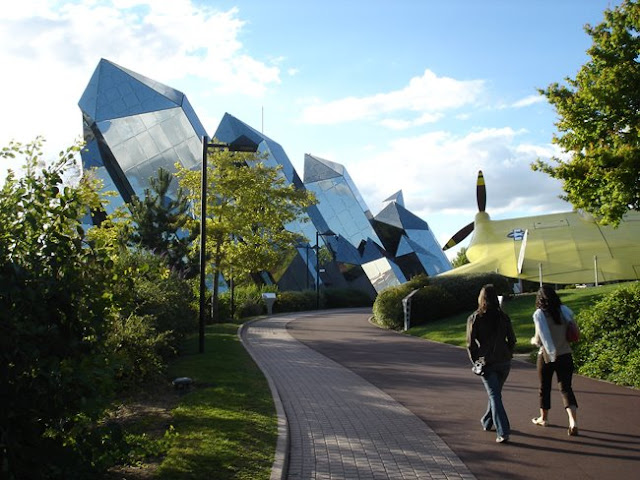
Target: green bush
{"points": [[292, 301], [419, 281], [431, 303], [465, 288], [147, 288], [54, 295], [247, 300], [609, 347], [345, 298], [170, 303], [437, 297], [137, 351], [387, 309]]}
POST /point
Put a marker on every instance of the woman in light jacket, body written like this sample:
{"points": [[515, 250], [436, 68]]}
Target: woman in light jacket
{"points": [[490, 336], [550, 319]]}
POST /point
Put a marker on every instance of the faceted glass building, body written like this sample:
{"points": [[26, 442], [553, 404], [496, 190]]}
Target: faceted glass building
{"points": [[409, 240], [134, 125], [345, 211], [301, 271]]}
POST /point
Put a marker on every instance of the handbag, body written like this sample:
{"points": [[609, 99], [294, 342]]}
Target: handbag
{"points": [[478, 366], [573, 333]]}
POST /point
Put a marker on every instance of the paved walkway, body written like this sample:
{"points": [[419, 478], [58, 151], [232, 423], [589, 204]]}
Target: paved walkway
{"points": [[340, 426], [356, 401]]}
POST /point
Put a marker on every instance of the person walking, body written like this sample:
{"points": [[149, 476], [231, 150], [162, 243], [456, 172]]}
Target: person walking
{"points": [[491, 340], [551, 319]]}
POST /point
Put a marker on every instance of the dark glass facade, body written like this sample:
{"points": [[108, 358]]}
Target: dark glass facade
{"points": [[134, 125]]}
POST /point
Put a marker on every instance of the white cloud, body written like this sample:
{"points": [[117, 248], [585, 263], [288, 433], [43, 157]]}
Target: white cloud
{"points": [[425, 96], [437, 172], [528, 101], [49, 50]]}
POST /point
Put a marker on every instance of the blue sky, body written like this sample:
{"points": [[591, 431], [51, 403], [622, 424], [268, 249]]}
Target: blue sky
{"points": [[415, 95]]}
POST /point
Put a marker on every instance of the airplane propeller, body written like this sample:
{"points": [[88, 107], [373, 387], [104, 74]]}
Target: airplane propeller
{"points": [[481, 199]]}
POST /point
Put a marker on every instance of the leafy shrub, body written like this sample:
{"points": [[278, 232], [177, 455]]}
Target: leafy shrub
{"points": [[431, 303], [387, 309], [54, 296], [439, 297], [345, 298], [609, 348], [465, 288], [169, 301], [247, 300], [419, 281], [146, 287], [292, 301], [137, 350]]}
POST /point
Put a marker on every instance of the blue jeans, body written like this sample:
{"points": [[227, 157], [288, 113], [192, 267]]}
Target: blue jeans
{"points": [[496, 415]]}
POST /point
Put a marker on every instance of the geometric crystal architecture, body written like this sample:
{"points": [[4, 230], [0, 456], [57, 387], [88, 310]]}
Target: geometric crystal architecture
{"points": [[346, 213], [134, 125], [409, 240], [301, 271]]}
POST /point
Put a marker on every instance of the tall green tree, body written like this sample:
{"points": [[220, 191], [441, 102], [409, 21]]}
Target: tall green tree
{"points": [[161, 222], [248, 204], [599, 120], [460, 259]]}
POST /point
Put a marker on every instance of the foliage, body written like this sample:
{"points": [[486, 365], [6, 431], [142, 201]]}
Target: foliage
{"points": [[53, 304], [82, 317], [599, 120], [345, 298], [248, 203], [387, 308], [247, 300], [291, 301], [520, 308], [432, 303], [136, 348], [437, 297], [161, 221], [610, 337], [465, 288], [461, 258], [148, 288]]}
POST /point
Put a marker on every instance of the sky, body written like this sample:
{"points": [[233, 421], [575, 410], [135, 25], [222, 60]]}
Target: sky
{"points": [[411, 95]]}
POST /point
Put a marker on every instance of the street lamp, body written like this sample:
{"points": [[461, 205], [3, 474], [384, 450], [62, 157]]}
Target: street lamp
{"points": [[240, 144], [328, 233]]}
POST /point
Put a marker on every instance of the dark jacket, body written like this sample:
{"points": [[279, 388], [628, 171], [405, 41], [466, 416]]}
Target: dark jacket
{"points": [[490, 335]]}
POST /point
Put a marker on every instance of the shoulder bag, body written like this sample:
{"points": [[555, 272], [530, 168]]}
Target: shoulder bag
{"points": [[573, 333]]}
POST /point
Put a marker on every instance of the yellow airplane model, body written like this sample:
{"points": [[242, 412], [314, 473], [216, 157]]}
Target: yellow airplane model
{"points": [[558, 248]]}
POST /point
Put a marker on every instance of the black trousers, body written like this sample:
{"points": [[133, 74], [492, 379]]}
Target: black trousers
{"points": [[563, 368]]}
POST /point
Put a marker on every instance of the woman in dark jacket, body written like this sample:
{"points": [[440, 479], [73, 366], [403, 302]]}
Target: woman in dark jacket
{"points": [[490, 337]]}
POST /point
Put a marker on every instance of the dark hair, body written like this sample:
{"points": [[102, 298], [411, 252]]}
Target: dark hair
{"points": [[488, 299], [548, 301]]}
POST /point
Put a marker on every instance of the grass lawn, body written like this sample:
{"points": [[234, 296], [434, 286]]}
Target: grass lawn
{"points": [[226, 426], [453, 329]]}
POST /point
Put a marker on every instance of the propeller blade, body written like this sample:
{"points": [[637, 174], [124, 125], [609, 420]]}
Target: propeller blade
{"points": [[459, 236], [481, 192]]}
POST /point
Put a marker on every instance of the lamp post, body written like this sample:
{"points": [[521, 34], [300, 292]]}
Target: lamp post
{"points": [[317, 248], [240, 144], [307, 247]]}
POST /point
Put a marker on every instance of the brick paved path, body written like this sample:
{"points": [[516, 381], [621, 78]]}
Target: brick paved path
{"points": [[338, 425]]}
